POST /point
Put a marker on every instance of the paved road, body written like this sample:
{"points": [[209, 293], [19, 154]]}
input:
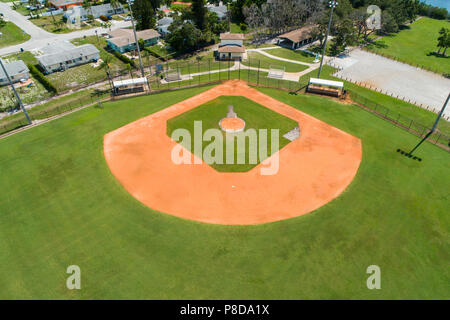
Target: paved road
{"points": [[408, 82], [40, 37]]}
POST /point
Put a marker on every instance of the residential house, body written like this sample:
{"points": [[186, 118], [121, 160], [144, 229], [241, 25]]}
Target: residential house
{"points": [[64, 4], [221, 10], [163, 25], [62, 55], [297, 38], [96, 11], [231, 46], [122, 40], [16, 70]]}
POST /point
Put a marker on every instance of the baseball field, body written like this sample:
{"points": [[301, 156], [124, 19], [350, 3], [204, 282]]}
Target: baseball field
{"points": [[62, 203]]}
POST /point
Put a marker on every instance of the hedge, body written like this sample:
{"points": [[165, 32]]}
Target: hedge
{"points": [[41, 78], [124, 58], [155, 53]]}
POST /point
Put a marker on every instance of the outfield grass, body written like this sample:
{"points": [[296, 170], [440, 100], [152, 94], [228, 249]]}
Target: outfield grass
{"points": [[256, 117], [61, 206], [297, 55], [254, 58], [11, 35], [416, 45]]}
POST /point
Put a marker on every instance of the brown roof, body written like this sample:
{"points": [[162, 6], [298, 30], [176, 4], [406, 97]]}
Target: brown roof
{"points": [[232, 49], [122, 37], [299, 34], [231, 36]]}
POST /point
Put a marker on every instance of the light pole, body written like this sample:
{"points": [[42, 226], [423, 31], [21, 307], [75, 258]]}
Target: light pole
{"points": [[137, 42], [332, 4], [15, 92]]}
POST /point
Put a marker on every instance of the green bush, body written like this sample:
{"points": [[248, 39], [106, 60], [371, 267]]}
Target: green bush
{"points": [[104, 18], [124, 58], [41, 78]]}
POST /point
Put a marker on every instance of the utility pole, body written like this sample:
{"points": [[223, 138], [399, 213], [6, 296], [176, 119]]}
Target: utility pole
{"points": [[136, 39], [15, 92], [432, 129], [332, 4]]}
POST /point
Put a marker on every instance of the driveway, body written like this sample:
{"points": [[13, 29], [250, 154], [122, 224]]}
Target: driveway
{"points": [[40, 37], [398, 79]]}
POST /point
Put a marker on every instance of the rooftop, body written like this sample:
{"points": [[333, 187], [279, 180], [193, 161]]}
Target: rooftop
{"points": [[13, 68], [299, 34], [232, 49], [122, 37], [231, 36], [58, 54]]}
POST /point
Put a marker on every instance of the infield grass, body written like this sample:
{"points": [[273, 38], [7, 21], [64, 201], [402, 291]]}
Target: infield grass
{"points": [[60, 206], [256, 117]]}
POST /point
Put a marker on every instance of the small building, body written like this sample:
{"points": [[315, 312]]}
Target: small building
{"points": [[17, 70], [163, 25], [325, 87], [297, 38], [122, 40], [96, 11], [231, 46], [129, 86], [63, 55], [64, 4], [221, 10]]}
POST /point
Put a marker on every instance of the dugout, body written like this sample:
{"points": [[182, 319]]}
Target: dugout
{"points": [[129, 86], [325, 87]]}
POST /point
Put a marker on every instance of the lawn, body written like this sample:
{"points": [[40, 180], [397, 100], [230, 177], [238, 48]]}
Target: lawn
{"points": [[254, 58], [416, 45], [55, 24], [11, 35], [62, 206], [297, 55], [256, 117]]}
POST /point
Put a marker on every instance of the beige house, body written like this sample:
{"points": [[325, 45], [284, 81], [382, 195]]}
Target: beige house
{"points": [[297, 38], [231, 46]]}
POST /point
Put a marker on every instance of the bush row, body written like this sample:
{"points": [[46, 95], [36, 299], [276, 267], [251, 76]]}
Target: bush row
{"points": [[41, 78], [155, 53], [124, 58]]}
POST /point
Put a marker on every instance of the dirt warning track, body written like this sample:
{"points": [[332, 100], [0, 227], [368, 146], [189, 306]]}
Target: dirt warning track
{"points": [[313, 170]]}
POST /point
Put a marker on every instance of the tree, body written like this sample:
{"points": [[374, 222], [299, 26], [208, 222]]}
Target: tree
{"points": [[2, 22], [184, 36], [88, 7], [443, 40], [199, 12], [143, 12], [115, 4], [346, 36], [388, 23]]}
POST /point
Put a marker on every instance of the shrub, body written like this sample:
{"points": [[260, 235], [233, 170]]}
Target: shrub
{"points": [[41, 78], [124, 58], [243, 27], [104, 18]]}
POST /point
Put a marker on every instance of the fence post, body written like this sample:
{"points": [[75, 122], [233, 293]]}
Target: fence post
{"points": [[259, 67]]}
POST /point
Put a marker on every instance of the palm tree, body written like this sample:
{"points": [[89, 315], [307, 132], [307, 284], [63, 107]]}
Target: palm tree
{"points": [[115, 4], [129, 68], [88, 7], [106, 64]]}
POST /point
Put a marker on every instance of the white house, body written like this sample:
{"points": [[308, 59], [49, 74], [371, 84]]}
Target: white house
{"points": [[62, 55], [163, 25], [221, 10], [231, 46], [96, 11], [16, 70]]}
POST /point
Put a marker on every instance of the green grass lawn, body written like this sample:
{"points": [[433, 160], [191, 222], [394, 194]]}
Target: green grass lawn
{"points": [[60, 206], [11, 35], [297, 55], [416, 44], [50, 24], [256, 117], [266, 62]]}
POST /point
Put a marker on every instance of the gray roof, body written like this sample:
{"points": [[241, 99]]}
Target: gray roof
{"points": [[69, 54], [13, 68], [220, 10], [165, 21]]}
